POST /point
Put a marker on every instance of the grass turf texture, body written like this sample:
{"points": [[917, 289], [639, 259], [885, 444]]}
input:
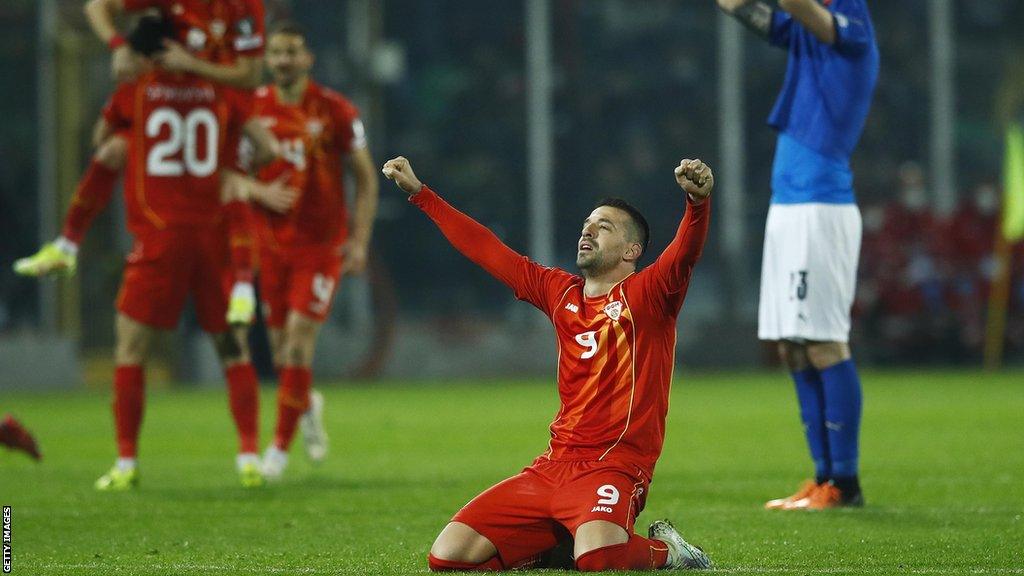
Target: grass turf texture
{"points": [[943, 473]]}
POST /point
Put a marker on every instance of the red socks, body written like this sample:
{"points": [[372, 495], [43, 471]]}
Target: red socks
{"points": [[244, 398], [129, 399], [292, 401], [438, 565], [92, 195], [240, 232], [638, 553]]}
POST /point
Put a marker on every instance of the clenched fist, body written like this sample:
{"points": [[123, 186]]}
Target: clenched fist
{"points": [[399, 170], [695, 178]]}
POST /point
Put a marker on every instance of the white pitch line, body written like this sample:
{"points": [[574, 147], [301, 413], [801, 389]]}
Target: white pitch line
{"points": [[212, 568], [209, 568]]}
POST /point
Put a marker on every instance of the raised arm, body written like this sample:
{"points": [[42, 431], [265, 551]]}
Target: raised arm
{"points": [[529, 281], [244, 73], [754, 14], [812, 16], [101, 15], [668, 278], [847, 29]]}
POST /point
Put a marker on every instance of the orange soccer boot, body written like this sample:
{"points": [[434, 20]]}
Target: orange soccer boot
{"points": [[828, 495], [799, 499]]}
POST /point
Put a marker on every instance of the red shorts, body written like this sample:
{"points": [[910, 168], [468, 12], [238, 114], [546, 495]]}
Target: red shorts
{"points": [[533, 511], [167, 266], [301, 279]]}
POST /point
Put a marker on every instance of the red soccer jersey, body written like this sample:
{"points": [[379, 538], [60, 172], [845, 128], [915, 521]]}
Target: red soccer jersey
{"points": [[323, 128], [291, 127], [334, 131], [177, 142], [615, 352], [216, 30]]}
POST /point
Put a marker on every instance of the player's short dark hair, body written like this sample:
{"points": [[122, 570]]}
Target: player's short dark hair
{"points": [[643, 231], [288, 28], [148, 34]]}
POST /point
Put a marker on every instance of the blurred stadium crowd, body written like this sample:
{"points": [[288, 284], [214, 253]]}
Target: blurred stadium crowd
{"points": [[635, 90]]}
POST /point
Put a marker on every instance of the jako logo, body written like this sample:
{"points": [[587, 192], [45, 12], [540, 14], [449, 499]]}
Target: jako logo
{"points": [[607, 509]]}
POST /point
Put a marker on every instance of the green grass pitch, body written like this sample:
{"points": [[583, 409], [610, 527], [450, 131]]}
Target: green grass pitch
{"points": [[942, 469]]}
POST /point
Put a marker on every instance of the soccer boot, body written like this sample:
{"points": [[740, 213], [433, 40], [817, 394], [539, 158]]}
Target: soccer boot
{"points": [[828, 495], [249, 471], [242, 305], [118, 480], [54, 257], [15, 437], [797, 500], [314, 437], [681, 554], [274, 463]]}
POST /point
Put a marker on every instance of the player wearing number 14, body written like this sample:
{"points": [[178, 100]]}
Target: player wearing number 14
{"points": [[304, 250]]}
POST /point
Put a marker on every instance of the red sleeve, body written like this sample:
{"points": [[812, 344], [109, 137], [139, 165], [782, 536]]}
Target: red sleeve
{"points": [[241, 107], [93, 194], [348, 128], [530, 281], [249, 30], [665, 282], [241, 224], [118, 109]]}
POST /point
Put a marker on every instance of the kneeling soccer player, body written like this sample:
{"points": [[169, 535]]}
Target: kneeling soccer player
{"points": [[616, 330]]}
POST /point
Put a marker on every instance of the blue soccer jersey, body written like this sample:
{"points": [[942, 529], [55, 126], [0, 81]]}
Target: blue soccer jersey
{"points": [[823, 105]]}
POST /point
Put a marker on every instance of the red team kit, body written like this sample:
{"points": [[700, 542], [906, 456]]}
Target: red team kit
{"points": [[300, 265]]}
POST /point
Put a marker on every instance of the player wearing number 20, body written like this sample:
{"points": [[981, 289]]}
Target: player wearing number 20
{"points": [[178, 127], [616, 332]]}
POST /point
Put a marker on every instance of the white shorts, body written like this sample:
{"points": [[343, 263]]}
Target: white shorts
{"points": [[809, 272]]}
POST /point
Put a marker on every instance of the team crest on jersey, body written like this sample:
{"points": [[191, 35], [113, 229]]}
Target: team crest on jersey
{"points": [[614, 310], [246, 27], [314, 128], [217, 28], [196, 39]]}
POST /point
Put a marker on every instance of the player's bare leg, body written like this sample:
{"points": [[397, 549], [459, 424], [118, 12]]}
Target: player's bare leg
{"points": [[276, 337], [297, 404], [112, 153], [460, 547], [823, 355], [601, 545], [131, 351], [243, 398]]}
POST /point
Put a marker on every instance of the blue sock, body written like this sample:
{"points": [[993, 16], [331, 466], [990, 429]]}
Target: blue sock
{"points": [[842, 417], [811, 396]]}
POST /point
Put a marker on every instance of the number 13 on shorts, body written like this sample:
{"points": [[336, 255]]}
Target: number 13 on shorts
{"points": [[798, 285]]}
